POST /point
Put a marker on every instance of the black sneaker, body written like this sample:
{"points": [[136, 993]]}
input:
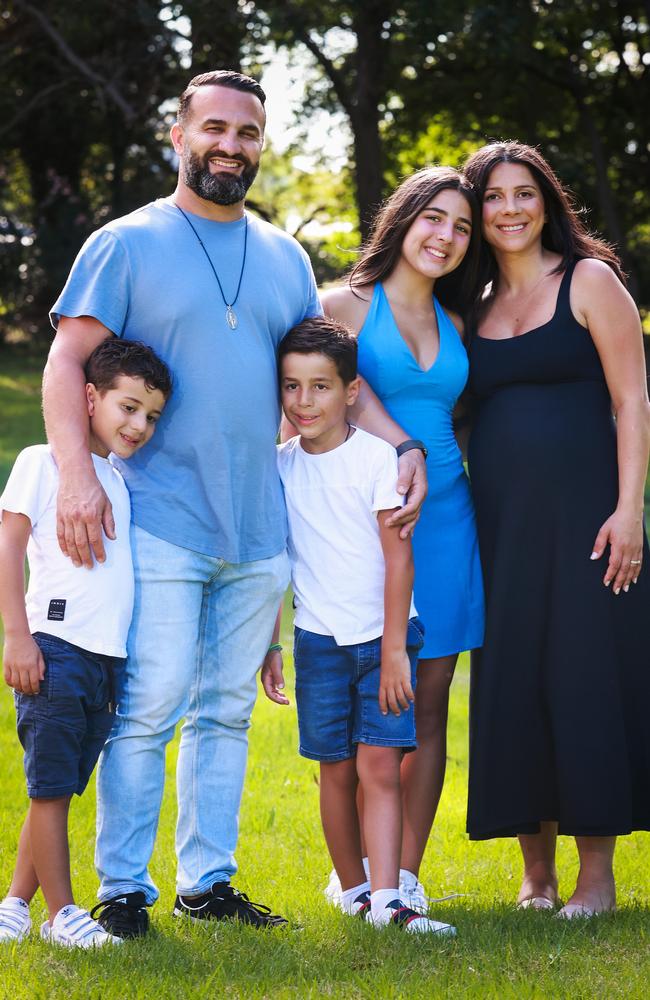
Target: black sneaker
{"points": [[223, 902], [124, 916]]}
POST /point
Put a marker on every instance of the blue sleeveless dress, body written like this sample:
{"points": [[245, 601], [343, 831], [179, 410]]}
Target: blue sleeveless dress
{"points": [[448, 583]]}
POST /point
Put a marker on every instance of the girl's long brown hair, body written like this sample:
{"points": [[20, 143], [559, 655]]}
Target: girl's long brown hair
{"points": [[563, 233], [380, 254]]}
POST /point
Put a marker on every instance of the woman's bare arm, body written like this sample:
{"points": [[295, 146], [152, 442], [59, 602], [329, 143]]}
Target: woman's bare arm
{"points": [[601, 303]]}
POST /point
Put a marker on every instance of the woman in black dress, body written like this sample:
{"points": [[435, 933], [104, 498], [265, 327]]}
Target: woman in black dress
{"points": [[560, 741]]}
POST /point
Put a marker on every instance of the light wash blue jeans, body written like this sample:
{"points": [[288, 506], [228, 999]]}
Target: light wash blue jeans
{"points": [[200, 630]]}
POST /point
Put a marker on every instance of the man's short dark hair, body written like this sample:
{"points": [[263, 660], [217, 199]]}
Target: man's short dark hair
{"points": [[322, 335], [115, 357], [218, 78]]}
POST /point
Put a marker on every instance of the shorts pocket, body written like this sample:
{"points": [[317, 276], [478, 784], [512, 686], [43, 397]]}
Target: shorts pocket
{"points": [[37, 704], [51, 650]]}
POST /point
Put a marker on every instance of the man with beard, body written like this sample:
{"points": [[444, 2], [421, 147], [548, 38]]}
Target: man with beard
{"points": [[213, 290]]}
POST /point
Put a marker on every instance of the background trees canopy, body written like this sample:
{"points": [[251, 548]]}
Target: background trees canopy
{"points": [[87, 91]]}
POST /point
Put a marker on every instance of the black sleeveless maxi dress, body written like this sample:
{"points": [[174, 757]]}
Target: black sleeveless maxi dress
{"points": [[560, 692]]}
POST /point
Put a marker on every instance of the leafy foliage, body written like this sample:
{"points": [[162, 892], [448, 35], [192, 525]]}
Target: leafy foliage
{"points": [[85, 109], [79, 106]]}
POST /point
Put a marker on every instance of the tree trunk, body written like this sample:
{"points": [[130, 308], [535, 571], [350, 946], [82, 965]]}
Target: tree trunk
{"points": [[613, 228], [218, 30], [369, 92]]}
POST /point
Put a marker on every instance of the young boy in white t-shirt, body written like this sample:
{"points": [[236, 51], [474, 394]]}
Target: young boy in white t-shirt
{"points": [[66, 638], [356, 632]]}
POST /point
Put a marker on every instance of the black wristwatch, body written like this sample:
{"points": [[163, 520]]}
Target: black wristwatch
{"points": [[410, 445]]}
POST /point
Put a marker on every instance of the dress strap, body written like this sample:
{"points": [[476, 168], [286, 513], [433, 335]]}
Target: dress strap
{"points": [[564, 293], [373, 309]]}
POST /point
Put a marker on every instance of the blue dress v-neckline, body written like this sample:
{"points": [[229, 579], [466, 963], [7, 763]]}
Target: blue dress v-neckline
{"points": [[441, 320]]}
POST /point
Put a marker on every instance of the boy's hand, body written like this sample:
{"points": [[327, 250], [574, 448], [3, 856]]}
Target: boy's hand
{"points": [[273, 677], [395, 691], [24, 666]]}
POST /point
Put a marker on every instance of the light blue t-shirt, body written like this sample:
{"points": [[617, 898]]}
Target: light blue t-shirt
{"points": [[208, 479]]}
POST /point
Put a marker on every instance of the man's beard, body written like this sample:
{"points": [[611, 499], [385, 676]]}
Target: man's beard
{"points": [[222, 189]]}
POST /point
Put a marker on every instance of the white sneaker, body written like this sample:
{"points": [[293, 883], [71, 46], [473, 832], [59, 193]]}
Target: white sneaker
{"points": [[73, 927], [412, 893], [332, 890], [15, 922], [415, 923], [358, 907]]}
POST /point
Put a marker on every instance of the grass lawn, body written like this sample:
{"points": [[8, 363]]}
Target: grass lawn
{"points": [[283, 861]]}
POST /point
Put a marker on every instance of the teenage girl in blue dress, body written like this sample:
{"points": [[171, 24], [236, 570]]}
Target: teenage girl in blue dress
{"points": [[405, 304]]}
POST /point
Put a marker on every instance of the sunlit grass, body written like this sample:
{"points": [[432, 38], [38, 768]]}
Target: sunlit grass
{"points": [[499, 952]]}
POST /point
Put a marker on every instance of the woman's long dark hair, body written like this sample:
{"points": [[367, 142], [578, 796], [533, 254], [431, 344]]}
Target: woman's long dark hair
{"points": [[563, 232], [380, 254]]}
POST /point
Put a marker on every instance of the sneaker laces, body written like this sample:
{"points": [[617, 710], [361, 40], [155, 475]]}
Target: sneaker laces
{"points": [[259, 908], [416, 897], [120, 912]]}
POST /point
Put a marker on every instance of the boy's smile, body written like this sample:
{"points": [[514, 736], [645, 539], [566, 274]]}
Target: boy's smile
{"points": [[123, 418], [315, 400]]}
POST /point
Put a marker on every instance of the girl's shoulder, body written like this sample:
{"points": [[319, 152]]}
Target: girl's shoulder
{"points": [[347, 306]]}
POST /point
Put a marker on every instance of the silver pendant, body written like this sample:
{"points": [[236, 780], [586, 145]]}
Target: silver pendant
{"points": [[231, 318]]}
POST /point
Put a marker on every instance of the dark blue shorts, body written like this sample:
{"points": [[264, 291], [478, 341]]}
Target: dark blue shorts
{"points": [[63, 728], [337, 695]]}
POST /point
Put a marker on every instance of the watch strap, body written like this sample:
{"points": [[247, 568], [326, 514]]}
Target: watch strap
{"points": [[411, 445]]}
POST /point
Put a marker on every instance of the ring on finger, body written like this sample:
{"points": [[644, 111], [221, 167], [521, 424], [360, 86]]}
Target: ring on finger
{"points": [[635, 562]]}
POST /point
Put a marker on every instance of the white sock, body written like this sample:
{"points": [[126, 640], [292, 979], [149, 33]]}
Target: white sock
{"points": [[366, 866], [348, 896], [379, 909]]}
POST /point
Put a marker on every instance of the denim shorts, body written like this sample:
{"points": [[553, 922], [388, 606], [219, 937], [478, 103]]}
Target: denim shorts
{"points": [[63, 728], [337, 695]]}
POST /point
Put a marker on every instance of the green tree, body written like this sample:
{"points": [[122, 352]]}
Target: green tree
{"points": [[573, 78], [315, 206], [79, 107], [422, 80], [85, 125], [358, 79]]}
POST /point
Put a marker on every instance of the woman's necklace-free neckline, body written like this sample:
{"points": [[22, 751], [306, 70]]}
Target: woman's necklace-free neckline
{"points": [[523, 301], [231, 316]]}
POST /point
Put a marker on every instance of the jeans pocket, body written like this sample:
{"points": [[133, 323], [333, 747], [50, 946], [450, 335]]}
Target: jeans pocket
{"points": [[298, 636], [415, 634]]}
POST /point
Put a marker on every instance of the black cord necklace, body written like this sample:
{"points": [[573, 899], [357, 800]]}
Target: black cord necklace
{"points": [[231, 316]]}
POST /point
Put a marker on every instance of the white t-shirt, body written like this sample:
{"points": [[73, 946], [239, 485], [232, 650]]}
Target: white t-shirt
{"points": [[90, 608], [337, 563]]}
